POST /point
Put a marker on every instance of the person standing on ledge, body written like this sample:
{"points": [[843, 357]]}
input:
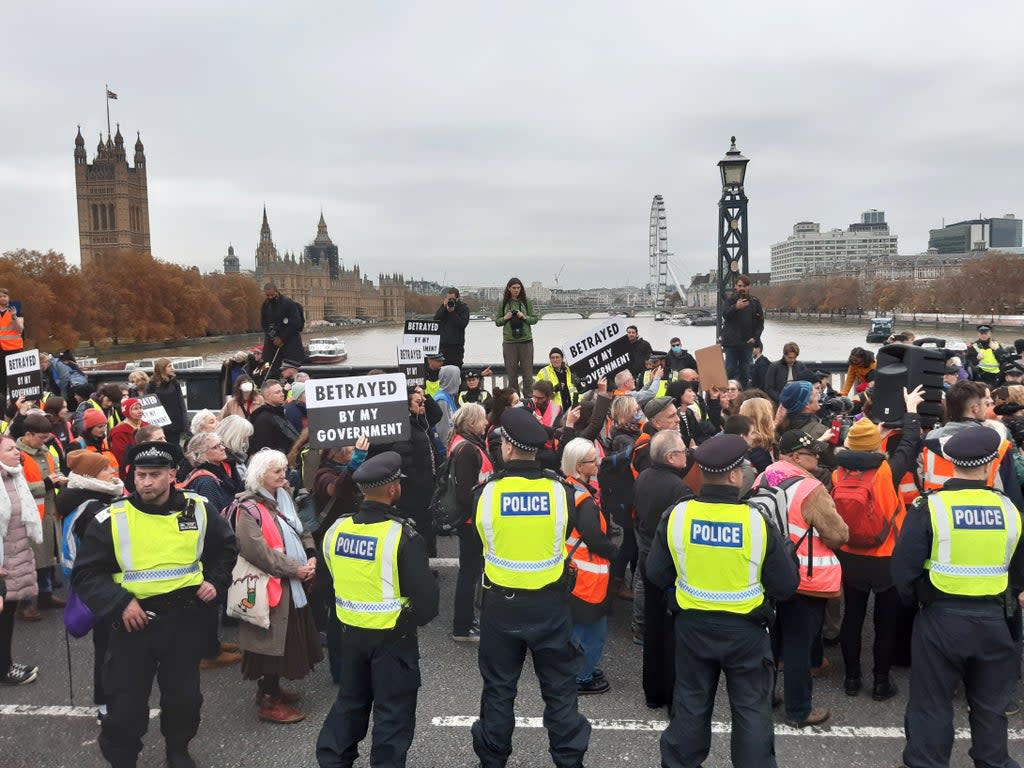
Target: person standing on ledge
{"points": [[742, 326], [12, 328], [281, 320], [452, 318], [515, 315]]}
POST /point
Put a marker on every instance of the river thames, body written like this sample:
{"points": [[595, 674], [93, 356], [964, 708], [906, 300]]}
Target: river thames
{"points": [[375, 345]]}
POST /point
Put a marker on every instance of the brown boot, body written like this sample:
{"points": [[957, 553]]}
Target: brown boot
{"points": [[47, 600], [230, 647], [273, 710], [225, 659], [624, 592], [28, 612]]}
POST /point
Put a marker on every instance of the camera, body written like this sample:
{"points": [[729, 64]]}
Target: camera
{"points": [[451, 303], [835, 406], [517, 324], [272, 331]]}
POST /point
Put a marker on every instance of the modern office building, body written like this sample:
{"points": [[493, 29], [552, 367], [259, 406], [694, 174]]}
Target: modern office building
{"points": [[977, 234], [810, 251]]}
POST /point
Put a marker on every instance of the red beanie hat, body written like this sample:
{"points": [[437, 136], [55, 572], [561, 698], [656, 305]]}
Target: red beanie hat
{"points": [[93, 418], [126, 405]]}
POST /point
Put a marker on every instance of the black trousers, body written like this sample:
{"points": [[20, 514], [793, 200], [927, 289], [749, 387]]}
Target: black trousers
{"points": [[100, 643], [707, 645], [380, 671], [954, 642], [471, 565], [886, 620], [659, 654], [538, 622], [7, 634], [169, 649], [799, 625], [453, 353], [628, 551]]}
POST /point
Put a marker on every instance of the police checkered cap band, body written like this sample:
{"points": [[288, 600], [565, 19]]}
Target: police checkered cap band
{"points": [[378, 483], [153, 453], [721, 470], [516, 444], [978, 462]]}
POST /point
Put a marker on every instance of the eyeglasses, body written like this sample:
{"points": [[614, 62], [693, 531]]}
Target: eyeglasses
{"points": [[806, 453], [589, 461]]}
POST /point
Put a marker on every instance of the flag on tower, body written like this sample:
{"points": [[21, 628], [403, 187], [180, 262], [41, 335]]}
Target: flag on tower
{"points": [[111, 94]]}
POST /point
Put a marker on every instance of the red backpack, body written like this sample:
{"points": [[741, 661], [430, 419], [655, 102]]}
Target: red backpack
{"points": [[853, 492]]}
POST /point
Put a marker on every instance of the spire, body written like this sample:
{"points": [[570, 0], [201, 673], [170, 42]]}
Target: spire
{"points": [[79, 141], [322, 238], [80, 157], [138, 141], [118, 138], [140, 157]]}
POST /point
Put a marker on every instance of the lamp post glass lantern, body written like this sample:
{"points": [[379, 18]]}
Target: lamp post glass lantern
{"points": [[733, 259]]}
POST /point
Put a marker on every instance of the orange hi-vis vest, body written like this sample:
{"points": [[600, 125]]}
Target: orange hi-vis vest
{"points": [[105, 452], [892, 507], [486, 465], [548, 419], [34, 475], [272, 538], [908, 489], [936, 469], [10, 334], [592, 571], [642, 440]]}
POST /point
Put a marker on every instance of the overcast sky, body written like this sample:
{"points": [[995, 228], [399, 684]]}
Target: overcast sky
{"points": [[467, 142]]}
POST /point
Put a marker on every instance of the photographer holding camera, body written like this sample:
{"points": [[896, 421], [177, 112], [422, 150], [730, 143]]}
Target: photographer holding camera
{"points": [[282, 322], [515, 315], [452, 317]]}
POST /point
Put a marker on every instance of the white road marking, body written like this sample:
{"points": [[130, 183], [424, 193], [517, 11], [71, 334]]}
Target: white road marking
{"points": [[55, 711], [837, 732], [444, 562]]}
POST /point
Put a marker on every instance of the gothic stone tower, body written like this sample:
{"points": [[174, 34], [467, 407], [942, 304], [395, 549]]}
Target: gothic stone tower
{"points": [[231, 264], [113, 199]]}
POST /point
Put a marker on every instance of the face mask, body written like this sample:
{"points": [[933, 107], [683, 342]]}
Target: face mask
{"points": [[676, 348], [245, 386], [520, 404]]}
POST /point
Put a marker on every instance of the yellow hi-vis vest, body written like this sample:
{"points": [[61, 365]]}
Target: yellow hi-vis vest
{"points": [[718, 551], [522, 523], [547, 373], [987, 360], [431, 388], [974, 535], [158, 554], [662, 385], [363, 561]]}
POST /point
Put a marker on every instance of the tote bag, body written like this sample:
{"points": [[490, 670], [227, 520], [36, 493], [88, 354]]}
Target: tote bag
{"points": [[247, 595]]}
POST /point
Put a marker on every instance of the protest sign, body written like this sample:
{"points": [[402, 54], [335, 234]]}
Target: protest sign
{"points": [[342, 409], [711, 366], [153, 411], [412, 364], [604, 351], [423, 333], [24, 378]]}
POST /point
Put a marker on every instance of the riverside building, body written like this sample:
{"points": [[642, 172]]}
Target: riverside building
{"points": [[810, 251]]}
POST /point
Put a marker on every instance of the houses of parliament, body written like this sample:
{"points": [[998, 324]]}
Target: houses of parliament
{"points": [[113, 215]]}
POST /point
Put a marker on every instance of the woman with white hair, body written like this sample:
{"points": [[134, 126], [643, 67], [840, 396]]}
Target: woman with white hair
{"points": [[204, 421], [235, 431], [270, 536], [470, 466], [592, 553]]}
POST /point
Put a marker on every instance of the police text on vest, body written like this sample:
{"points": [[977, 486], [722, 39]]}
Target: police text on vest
{"points": [[978, 518], [359, 547], [712, 534], [525, 503]]}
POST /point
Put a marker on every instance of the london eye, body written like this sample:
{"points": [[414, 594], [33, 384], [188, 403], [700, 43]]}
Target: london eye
{"points": [[658, 253]]}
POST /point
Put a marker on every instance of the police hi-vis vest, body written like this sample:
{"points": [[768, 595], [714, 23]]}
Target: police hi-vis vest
{"points": [[718, 551], [987, 360], [522, 523], [363, 561], [662, 385], [974, 535], [592, 570], [936, 469], [431, 388], [158, 554]]}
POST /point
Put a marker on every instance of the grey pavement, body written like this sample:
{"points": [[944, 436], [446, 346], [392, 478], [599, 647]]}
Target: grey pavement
{"points": [[861, 734]]}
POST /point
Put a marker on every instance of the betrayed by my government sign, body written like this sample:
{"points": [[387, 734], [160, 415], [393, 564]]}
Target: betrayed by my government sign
{"points": [[341, 410], [604, 351]]}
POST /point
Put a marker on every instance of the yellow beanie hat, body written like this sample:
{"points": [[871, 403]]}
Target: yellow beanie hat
{"points": [[864, 435]]}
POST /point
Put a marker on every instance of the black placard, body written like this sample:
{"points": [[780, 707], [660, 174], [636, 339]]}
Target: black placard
{"points": [[343, 409], [412, 364], [604, 351], [24, 377], [423, 333]]}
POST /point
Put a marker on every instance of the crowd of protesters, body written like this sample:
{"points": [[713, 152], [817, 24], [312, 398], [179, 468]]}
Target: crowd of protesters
{"points": [[626, 447]]}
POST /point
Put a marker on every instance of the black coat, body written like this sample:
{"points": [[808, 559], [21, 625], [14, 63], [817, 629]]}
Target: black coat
{"points": [[419, 464], [639, 352], [170, 397], [279, 317], [775, 377], [657, 490], [759, 371], [738, 325], [270, 429], [453, 324]]}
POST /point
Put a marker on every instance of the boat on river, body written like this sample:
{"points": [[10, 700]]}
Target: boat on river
{"points": [[702, 317], [326, 352], [880, 331]]}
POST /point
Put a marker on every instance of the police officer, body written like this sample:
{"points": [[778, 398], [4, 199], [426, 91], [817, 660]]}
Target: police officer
{"points": [[982, 353], [432, 380], [523, 515], [383, 590], [959, 554], [147, 564], [725, 564]]}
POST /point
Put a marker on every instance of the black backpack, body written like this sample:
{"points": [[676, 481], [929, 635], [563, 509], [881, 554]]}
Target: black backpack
{"points": [[444, 507]]}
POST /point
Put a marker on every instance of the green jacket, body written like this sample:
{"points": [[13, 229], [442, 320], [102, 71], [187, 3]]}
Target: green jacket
{"points": [[526, 307]]}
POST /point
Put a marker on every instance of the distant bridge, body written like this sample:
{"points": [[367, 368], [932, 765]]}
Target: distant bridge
{"points": [[587, 311]]}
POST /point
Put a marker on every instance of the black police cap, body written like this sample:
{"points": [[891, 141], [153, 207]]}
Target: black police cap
{"points": [[972, 447], [470, 373], [156, 454], [436, 356], [521, 429], [722, 453], [379, 470], [984, 327], [1014, 370], [656, 356]]}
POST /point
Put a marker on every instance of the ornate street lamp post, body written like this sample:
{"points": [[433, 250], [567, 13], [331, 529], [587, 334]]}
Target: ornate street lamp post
{"points": [[733, 260]]}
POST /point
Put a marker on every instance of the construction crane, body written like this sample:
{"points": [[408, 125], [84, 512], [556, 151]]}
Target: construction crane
{"points": [[559, 274]]}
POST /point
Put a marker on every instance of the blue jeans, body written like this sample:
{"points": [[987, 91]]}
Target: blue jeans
{"points": [[591, 637], [737, 363]]}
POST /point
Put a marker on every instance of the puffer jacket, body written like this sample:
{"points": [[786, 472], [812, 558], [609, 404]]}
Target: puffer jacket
{"points": [[19, 565], [857, 374]]}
